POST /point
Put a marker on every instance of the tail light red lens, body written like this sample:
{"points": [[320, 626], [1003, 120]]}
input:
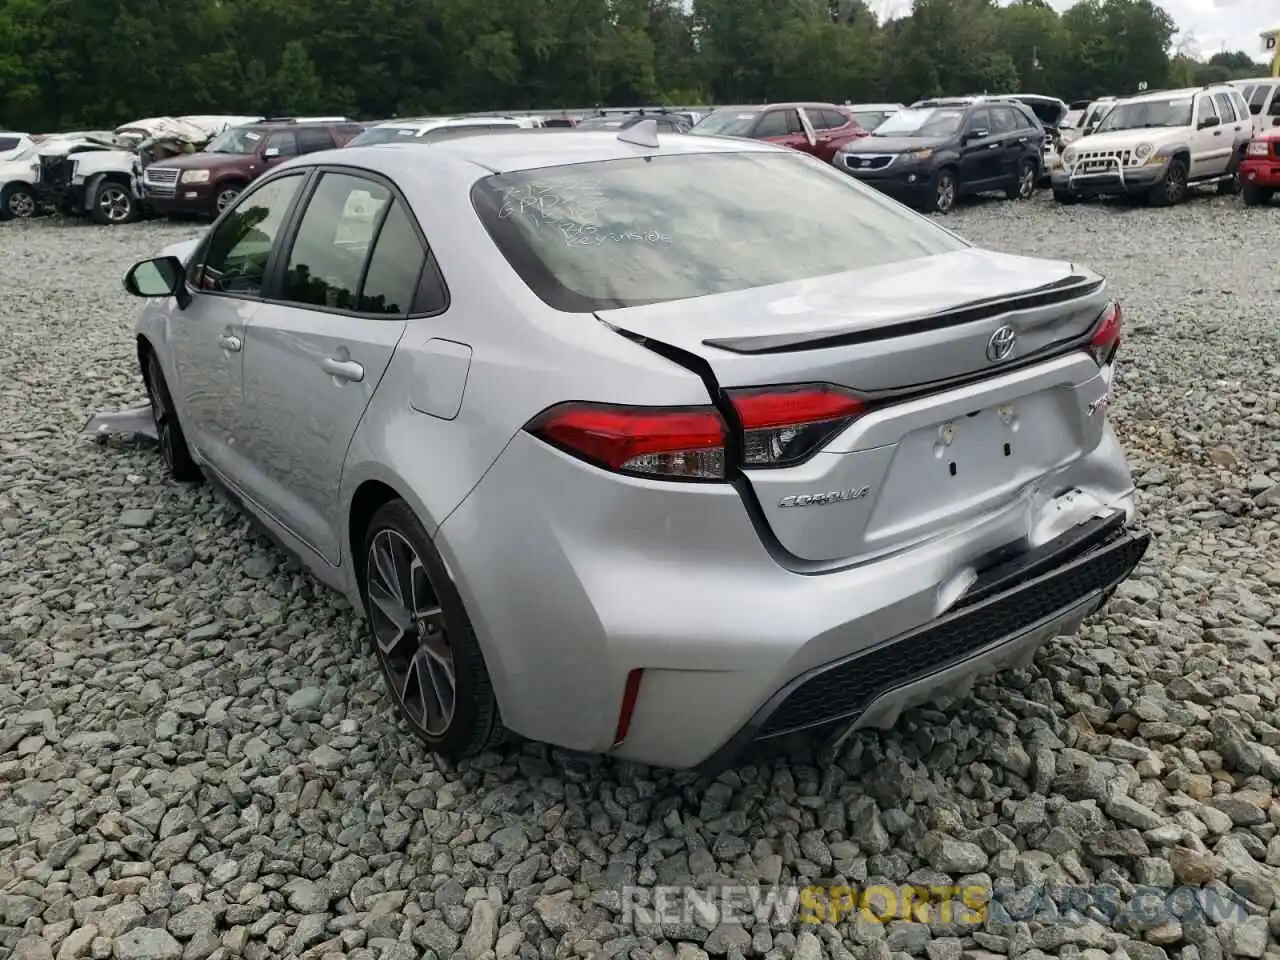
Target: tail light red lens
{"points": [[1106, 335], [677, 443], [781, 426], [784, 425]]}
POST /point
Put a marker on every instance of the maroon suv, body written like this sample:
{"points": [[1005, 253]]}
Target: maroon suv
{"points": [[205, 182], [817, 128]]}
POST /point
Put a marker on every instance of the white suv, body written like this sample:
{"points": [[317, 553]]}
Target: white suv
{"points": [[1157, 145]]}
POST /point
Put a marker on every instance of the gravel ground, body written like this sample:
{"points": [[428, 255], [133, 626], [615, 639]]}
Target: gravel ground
{"points": [[196, 759]]}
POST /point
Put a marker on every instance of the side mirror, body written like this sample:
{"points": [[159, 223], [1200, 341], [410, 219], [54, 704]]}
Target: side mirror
{"points": [[271, 153], [160, 277], [978, 134], [1208, 122]]}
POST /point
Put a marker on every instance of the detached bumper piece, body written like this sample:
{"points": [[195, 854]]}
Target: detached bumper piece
{"points": [[1010, 600]]}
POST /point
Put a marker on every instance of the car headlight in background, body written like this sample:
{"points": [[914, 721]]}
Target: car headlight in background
{"points": [[1257, 148], [1142, 151], [919, 154], [1069, 155], [195, 176]]}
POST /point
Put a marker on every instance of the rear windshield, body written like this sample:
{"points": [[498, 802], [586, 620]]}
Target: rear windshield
{"points": [[619, 233]]}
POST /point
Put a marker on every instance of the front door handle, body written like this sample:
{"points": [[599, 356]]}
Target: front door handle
{"points": [[342, 369], [995, 146], [229, 343], [1217, 133]]}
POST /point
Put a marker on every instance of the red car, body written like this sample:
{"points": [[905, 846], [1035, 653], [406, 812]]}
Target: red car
{"points": [[1260, 169], [817, 128]]}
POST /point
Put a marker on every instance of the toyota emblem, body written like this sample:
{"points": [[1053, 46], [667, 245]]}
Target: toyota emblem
{"points": [[1001, 344]]}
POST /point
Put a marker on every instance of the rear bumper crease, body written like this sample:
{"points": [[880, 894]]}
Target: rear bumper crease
{"points": [[843, 690]]}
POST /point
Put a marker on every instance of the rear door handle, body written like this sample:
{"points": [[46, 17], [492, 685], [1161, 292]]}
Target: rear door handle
{"points": [[229, 343], [342, 369]]}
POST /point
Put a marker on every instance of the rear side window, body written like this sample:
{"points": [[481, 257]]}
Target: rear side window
{"points": [[1259, 98], [1226, 108], [332, 243], [596, 236], [392, 278], [312, 139], [8, 143]]}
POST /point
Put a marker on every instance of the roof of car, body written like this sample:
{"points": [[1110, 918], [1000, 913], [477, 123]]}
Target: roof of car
{"points": [[873, 106], [759, 107], [427, 123], [534, 149]]}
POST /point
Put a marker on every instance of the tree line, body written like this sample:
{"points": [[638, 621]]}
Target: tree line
{"points": [[75, 64]]}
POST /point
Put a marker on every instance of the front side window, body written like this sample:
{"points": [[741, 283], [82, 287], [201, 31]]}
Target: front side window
{"points": [[1205, 110], [235, 260], [1258, 99], [774, 124], [1226, 109], [283, 143], [237, 140], [727, 123], [980, 122], [597, 236], [383, 135], [332, 243]]}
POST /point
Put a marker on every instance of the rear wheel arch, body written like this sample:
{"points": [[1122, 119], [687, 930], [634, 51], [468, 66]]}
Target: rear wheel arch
{"points": [[369, 497]]}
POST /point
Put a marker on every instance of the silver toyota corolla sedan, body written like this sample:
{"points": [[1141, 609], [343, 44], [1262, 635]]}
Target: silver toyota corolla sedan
{"points": [[647, 445]]}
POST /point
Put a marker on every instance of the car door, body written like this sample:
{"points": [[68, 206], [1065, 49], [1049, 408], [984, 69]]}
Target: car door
{"points": [[980, 152], [279, 146], [318, 348], [205, 340], [1208, 158], [1233, 125], [781, 126], [1005, 123]]}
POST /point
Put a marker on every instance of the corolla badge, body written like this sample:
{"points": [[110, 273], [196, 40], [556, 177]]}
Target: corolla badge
{"points": [[1001, 344], [821, 499]]}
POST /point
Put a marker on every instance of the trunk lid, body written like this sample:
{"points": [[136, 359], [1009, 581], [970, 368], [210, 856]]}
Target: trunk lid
{"points": [[952, 429]]}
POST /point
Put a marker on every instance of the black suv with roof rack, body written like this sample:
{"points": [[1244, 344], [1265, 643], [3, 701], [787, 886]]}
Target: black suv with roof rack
{"points": [[939, 150]]}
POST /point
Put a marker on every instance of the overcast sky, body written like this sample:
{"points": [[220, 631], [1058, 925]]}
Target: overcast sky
{"points": [[1212, 24]]}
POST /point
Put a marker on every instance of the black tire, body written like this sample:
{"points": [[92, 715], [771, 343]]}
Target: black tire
{"points": [[173, 444], [946, 191], [1171, 190], [436, 625], [18, 202], [1254, 195], [112, 203], [1023, 186], [225, 194], [1066, 197]]}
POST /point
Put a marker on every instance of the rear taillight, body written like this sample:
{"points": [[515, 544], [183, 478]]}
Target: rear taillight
{"points": [[675, 443], [1106, 335], [783, 425]]}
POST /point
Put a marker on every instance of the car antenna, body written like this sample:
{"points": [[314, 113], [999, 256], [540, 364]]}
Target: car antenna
{"points": [[642, 134]]}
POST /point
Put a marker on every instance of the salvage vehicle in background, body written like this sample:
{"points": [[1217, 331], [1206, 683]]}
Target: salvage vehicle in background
{"points": [[1264, 104], [1260, 169], [19, 169], [202, 184], [399, 131], [869, 116], [937, 151], [646, 445], [817, 128], [1158, 145], [666, 123]]}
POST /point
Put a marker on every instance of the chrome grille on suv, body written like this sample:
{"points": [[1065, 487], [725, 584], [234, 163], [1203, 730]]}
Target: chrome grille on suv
{"points": [[867, 161], [162, 182], [1103, 160]]}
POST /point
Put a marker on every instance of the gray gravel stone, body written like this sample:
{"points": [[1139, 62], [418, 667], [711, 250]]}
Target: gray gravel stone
{"points": [[195, 762]]}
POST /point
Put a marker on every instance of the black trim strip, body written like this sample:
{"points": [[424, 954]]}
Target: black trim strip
{"points": [[1134, 540], [1074, 287]]}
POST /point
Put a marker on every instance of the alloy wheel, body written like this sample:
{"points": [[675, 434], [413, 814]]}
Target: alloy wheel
{"points": [[412, 636], [115, 203], [22, 205], [1027, 182], [225, 198], [946, 196], [1175, 184], [164, 425]]}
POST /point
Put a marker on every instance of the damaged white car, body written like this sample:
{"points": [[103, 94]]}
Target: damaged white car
{"points": [[18, 165]]}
